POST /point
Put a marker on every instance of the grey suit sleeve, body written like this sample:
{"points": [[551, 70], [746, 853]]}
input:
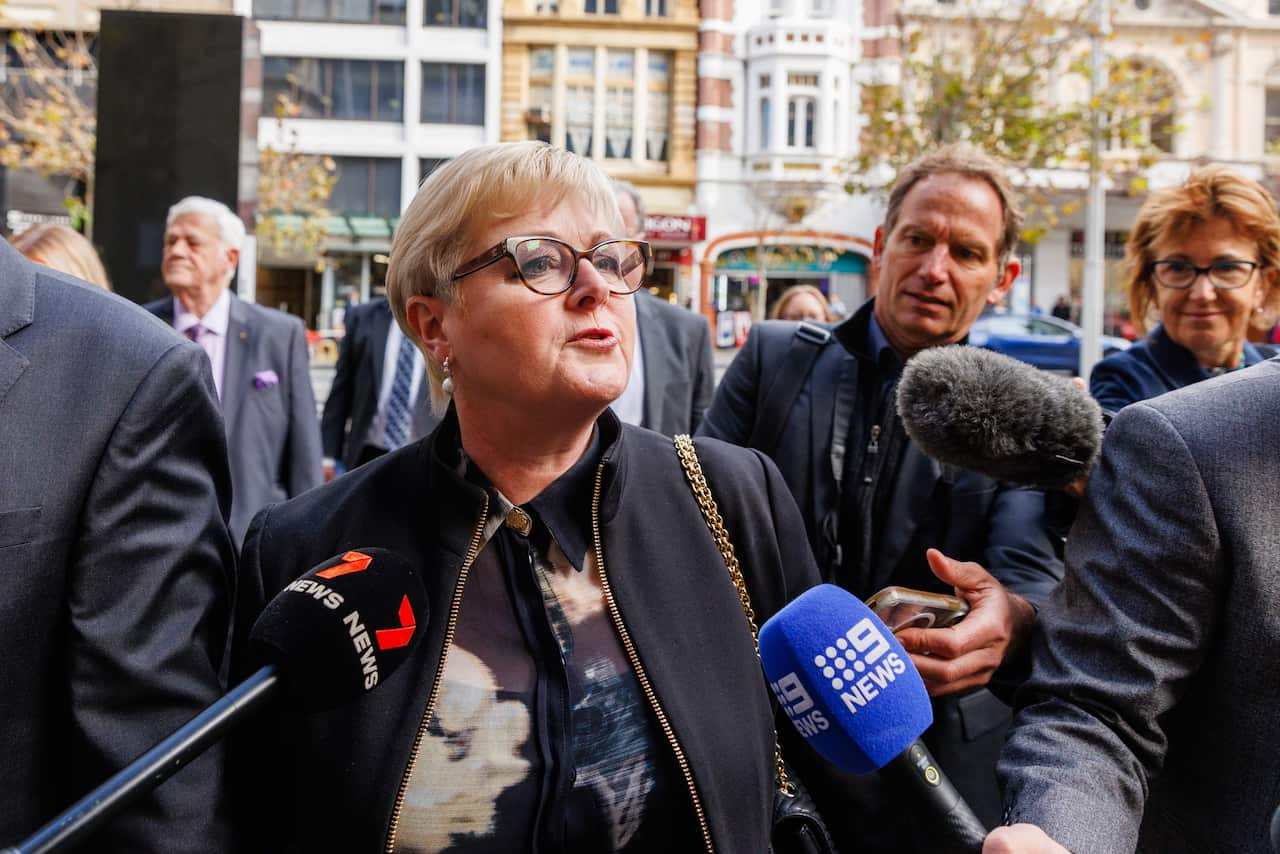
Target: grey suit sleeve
{"points": [[148, 597], [1118, 642], [732, 413], [704, 370], [337, 406], [304, 449]]}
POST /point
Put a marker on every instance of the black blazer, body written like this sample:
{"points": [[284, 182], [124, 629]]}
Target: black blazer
{"points": [[679, 373], [327, 782], [966, 515], [273, 438], [117, 568], [352, 403]]}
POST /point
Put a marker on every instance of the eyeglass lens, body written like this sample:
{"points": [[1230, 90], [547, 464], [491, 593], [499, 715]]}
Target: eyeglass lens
{"points": [[546, 265], [1224, 274]]}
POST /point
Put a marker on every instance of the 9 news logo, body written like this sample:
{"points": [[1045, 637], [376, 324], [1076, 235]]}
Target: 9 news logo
{"points": [[860, 664]]}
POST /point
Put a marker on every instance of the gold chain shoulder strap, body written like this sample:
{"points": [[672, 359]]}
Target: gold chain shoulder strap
{"points": [[711, 513]]}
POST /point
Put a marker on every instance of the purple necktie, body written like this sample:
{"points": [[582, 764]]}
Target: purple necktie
{"points": [[195, 333]]}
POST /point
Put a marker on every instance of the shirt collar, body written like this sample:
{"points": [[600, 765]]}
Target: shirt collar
{"points": [[564, 507], [886, 357], [215, 320]]}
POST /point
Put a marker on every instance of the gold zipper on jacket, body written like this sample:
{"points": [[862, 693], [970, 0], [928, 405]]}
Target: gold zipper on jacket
{"points": [[643, 679], [454, 607]]}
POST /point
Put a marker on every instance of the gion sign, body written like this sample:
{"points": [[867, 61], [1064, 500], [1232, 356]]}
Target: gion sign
{"points": [[675, 229]]}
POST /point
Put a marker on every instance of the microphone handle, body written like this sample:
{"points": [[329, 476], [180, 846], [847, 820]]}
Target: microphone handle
{"points": [[963, 832], [152, 768]]}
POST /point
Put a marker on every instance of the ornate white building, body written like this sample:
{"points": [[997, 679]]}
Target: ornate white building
{"points": [[778, 118]]}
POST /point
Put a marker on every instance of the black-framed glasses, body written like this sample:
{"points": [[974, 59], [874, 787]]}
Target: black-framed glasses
{"points": [[549, 266], [1224, 275]]}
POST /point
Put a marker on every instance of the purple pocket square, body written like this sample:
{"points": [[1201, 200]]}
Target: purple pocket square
{"points": [[265, 379]]}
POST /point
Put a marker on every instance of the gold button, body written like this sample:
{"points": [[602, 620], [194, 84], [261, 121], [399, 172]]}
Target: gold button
{"points": [[518, 520]]}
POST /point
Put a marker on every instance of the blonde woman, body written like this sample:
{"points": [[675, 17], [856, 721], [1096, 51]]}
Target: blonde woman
{"points": [[587, 681], [63, 249], [802, 302]]}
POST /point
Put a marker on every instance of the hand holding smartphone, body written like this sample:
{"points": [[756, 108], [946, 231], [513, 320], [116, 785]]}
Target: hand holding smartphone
{"points": [[904, 608]]}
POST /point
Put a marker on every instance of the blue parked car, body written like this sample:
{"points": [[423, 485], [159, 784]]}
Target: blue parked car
{"points": [[1040, 340]]}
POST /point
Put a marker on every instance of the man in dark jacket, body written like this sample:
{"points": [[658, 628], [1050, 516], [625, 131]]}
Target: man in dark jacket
{"points": [[379, 399], [878, 511]]}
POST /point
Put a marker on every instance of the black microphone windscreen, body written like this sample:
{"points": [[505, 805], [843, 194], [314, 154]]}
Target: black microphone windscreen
{"points": [[342, 628], [989, 413]]}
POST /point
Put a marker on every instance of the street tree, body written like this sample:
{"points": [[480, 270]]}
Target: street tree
{"points": [[294, 188], [48, 120], [1013, 80]]}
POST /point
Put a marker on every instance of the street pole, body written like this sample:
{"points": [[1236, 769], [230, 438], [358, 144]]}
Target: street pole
{"points": [[1091, 298]]}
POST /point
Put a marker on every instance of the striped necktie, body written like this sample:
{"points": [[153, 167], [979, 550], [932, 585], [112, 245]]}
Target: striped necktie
{"points": [[398, 413]]}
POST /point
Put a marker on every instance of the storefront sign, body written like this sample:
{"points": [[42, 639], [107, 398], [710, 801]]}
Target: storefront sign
{"points": [[675, 229]]}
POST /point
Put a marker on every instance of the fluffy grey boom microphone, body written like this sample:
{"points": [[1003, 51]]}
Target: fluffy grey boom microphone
{"points": [[988, 413]]}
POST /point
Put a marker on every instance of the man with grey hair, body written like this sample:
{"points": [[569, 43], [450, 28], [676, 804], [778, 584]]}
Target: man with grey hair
{"points": [[820, 401], [672, 372], [258, 356]]}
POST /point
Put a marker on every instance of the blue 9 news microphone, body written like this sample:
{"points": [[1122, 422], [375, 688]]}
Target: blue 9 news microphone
{"points": [[328, 638], [851, 690]]}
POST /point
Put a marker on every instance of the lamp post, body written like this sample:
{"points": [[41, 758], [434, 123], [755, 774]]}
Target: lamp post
{"points": [[1091, 298]]}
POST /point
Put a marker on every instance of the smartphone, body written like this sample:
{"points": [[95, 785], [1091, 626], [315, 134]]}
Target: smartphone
{"points": [[904, 608]]}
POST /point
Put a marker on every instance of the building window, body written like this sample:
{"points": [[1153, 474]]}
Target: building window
{"points": [[620, 96], [765, 119], [800, 120], [343, 11], [616, 102], [542, 65], [655, 8], [452, 93], [546, 7], [659, 113], [607, 7], [367, 186], [336, 88], [794, 79], [579, 101], [1273, 7], [427, 165], [455, 13], [1273, 120]]}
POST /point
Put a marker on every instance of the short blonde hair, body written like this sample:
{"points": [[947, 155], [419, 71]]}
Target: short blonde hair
{"points": [[796, 290], [64, 249], [468, 195], [1208, 192]]}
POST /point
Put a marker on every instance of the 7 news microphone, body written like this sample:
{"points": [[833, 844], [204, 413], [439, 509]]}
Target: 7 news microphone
{"points": [[329, 637], [850, 689]]}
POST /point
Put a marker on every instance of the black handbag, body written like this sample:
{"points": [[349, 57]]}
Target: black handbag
{"points": [[797, 827]]}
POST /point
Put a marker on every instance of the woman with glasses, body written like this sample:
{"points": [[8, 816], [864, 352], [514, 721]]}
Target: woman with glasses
{"points": [[1202, 257], [586, 680]]}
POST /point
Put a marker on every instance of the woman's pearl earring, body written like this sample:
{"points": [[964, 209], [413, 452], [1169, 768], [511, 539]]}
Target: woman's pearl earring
{"points": [[446, 385]]}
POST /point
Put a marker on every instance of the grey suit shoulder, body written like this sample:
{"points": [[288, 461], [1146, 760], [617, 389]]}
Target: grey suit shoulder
{"points": [[113, 498], [679, 369], [1149, 719]]}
